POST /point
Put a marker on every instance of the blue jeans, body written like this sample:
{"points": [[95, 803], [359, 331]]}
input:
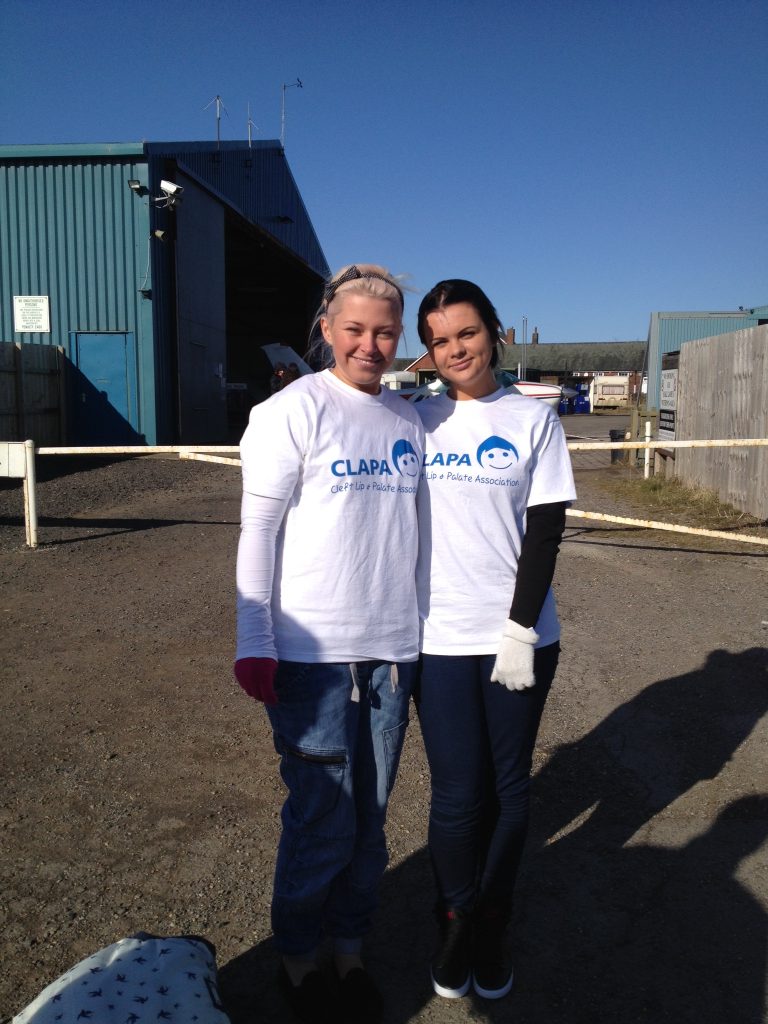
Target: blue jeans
{"points": [[339, 758], [479, 738]]}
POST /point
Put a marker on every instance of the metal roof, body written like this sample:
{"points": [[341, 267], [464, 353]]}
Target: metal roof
{"points": [[577, 357], [255, 181], [72, 150]]}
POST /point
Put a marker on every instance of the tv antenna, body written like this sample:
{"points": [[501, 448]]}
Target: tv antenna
{"points": [[251, 124], [298, 84], [219, 107]]}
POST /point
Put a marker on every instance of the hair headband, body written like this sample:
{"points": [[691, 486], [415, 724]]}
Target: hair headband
{"points": [[353, 274]]}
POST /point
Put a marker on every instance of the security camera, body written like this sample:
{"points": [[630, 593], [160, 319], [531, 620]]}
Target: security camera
{"points": [[171, 196]]}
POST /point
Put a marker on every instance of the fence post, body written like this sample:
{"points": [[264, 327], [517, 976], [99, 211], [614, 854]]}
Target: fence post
{"points": [[647, 451], [30, 494], [18, 387]]}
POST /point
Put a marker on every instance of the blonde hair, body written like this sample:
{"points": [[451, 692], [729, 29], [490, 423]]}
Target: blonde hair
{"points": [[368, 279], [362, 279]]}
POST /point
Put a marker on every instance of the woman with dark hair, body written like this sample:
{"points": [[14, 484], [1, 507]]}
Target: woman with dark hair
{"points": [[496, 482]]}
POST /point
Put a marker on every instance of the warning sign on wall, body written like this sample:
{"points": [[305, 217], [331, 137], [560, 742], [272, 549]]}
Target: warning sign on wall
{"points": [[668, 405], [31, 314]]}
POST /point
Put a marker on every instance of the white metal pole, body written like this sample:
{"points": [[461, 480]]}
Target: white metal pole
{"points": [[139, 449], [582, 446], [30, 494], [298, 84], [282, 118], [651, 524], [647, 453], [197, 456]]}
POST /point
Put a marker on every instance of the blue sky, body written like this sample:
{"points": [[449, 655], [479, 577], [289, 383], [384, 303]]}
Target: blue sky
{"points": [[586, 163]]}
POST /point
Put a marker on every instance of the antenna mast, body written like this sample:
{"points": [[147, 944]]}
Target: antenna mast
{"points": [[219, 107], [251, 124], [298, 84]]}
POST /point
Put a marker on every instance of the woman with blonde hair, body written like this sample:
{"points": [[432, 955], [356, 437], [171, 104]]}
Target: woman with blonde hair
{"points": [[327, 629]]}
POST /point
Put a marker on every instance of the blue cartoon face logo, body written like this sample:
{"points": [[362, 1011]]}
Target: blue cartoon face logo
{"points": [[497, 454], [405, 459]]}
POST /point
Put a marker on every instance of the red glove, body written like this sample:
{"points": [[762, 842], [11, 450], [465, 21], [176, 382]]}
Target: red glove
{"points": [[257, 678]]}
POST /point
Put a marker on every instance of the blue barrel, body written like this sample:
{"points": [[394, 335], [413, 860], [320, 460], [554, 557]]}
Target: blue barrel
{"points": [[581, 403]]}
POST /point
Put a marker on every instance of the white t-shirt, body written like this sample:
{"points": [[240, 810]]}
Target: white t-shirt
{"points": [[348, 464], [487, 460]]}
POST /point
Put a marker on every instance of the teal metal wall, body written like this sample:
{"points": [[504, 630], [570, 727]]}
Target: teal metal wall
{"points": [[74, 231], [107, 258]]}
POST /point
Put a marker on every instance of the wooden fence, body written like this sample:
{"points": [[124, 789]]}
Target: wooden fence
{"points": [[723, 393], [31, 393]]}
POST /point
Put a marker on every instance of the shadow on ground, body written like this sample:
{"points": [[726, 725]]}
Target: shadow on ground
{"points": [[106, 527], [607, 928]]}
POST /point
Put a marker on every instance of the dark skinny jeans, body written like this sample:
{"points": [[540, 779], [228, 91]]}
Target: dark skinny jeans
{"points": [[479, 738]]}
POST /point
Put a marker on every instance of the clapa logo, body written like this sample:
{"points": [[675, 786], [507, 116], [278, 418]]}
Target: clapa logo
{"points": [[404, 457], [497, 454]]}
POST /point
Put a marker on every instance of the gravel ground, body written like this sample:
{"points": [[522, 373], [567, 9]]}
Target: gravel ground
{"points": [[141, 790]]}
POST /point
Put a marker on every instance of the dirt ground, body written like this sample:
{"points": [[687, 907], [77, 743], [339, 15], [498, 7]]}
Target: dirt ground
{"points": [[141, 788]]}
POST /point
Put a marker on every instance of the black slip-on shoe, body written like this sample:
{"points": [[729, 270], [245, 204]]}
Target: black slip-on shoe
{"points": [[492, 975], [360, 1002], [313, 1001], [492, 979], [452, 964]]}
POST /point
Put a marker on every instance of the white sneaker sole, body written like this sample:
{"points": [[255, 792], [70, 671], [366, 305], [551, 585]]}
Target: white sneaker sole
{"points": [[493, 993], [451, 993]]}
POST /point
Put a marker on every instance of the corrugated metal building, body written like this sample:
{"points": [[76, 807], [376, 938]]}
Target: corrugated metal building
{"points": [[160, 303], [669, 331]]}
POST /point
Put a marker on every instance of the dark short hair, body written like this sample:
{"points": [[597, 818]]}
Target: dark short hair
{"points": [[452, 292]]}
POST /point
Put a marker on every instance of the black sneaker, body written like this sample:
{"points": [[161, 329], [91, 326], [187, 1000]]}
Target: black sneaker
{"points": [[451, 966], [492, 975], [312, 1001]]}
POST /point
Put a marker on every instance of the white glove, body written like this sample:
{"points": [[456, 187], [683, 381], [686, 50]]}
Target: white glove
{"points": [[514, 661]]}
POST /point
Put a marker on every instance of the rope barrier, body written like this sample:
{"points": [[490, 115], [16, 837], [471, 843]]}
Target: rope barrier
{"points": [[217, 453], [651, 524]]}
